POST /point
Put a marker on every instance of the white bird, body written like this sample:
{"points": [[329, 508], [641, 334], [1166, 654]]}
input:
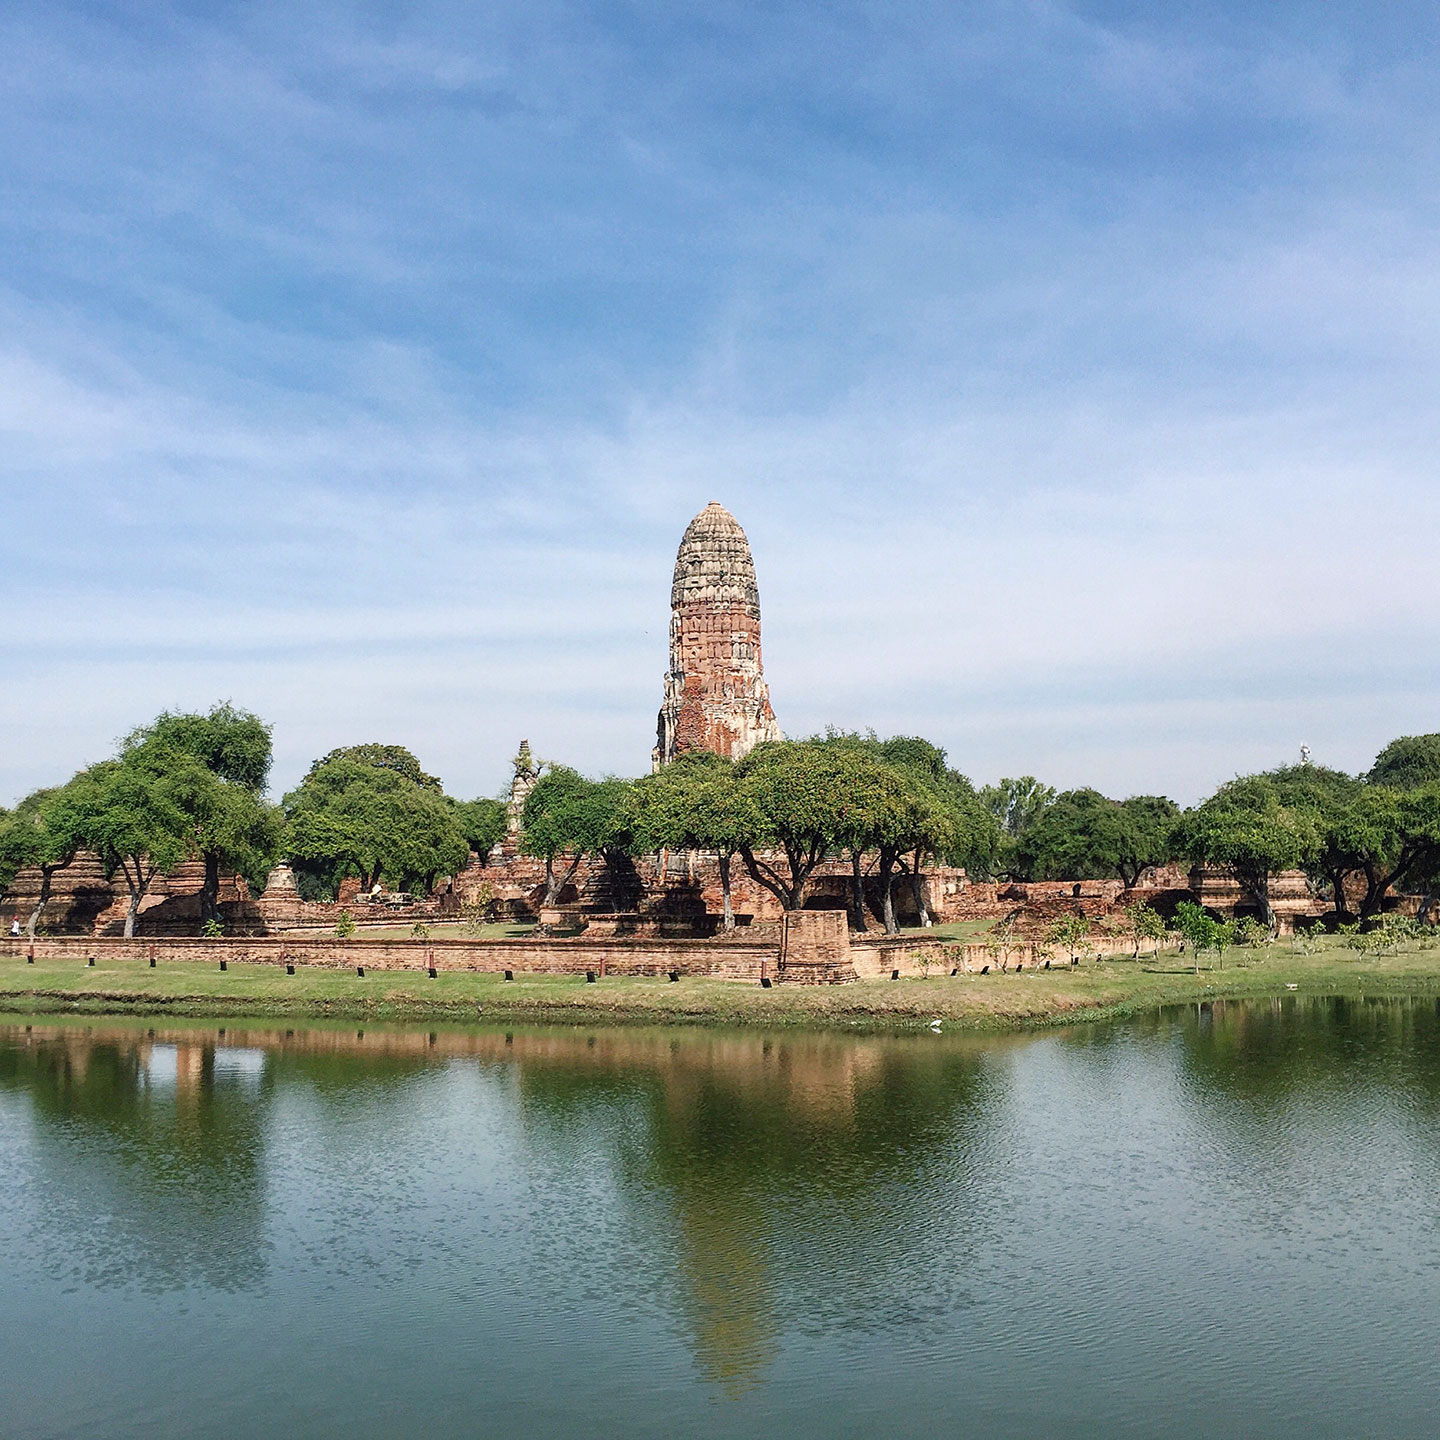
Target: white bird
{"points": [[934, 1024]]}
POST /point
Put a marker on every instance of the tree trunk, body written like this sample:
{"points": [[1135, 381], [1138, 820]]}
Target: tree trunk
{"points": [[131, 913], [210, 891], [552, 886], [1337, 884], [857, 894], [766, 875], [887, 895], [46, 871], [918, 886], [729, 909]]}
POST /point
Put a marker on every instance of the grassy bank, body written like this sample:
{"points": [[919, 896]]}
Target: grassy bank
{"points": [[975, 1002]]}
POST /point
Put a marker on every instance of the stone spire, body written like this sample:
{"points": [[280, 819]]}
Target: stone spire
{"points": [[715, 692]]}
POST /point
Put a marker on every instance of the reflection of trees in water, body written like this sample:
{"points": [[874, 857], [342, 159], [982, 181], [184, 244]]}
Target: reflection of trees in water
{"points": [[1285, 1101], [138, 1183], [817, 1183]]}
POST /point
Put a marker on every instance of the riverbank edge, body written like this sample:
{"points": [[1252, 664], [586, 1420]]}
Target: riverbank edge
{"points": [[847, 1015]]}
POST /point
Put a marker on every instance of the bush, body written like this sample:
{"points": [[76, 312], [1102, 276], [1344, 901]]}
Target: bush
{"points": [[212, 930], [419, 931], [344, 925], [1253, 933], [479, 910]]}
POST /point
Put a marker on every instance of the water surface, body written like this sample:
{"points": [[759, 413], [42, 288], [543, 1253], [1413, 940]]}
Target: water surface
{"points": [[1213, 1222]]}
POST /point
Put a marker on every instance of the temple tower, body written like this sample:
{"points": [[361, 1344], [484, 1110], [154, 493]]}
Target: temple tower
{"points": [[715, 692]]}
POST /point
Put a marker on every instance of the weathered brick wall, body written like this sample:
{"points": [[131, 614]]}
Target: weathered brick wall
{"points": [[817, 951]]}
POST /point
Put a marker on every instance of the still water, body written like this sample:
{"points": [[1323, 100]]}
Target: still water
{"points": [[1208, 1223]]}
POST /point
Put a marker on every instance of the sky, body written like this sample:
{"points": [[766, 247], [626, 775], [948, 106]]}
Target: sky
{"points": [[1073, 369]]}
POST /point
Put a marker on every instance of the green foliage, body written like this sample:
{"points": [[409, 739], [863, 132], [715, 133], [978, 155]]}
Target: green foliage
{"points": [[344, 925], [1247, 829], [1082, 834], [233, 744], [349, 815], [395, 758], [567, 815], [138, 813], [481, 822], [1195, 927], [1407, 763], [695, 803], [1252, 933], [479, 910], [42, 830], [233, 825], [419, 931], [1143, 923], [1222, 936], [212, 929], [1017, 804], [1070, 933]]}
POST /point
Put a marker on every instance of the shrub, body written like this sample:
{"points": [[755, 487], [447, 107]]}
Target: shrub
{"points": [[419, 931], [1252, 933], [212, 929], [344, 925]]}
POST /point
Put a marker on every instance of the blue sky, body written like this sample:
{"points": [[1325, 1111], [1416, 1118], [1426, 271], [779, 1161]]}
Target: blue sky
{"points": [[1073, 369]]}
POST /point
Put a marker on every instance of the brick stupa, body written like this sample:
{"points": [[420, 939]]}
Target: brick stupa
{"points": [[715, 692]]}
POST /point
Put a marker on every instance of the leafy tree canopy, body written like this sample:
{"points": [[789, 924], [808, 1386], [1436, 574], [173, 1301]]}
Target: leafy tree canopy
{"points": [[352, 815], [139, 813], [1407, 763], [694, 803], [219, 763], [1017, 804], [233, 744], [1082, 834], [482, 822], [382, 757], [1246, 828]]}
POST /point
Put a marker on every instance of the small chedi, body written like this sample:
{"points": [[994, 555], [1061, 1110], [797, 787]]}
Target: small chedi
{"points": [[715, 693]]}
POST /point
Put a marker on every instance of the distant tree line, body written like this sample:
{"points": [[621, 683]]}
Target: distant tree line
{"points": [[191, 787]]}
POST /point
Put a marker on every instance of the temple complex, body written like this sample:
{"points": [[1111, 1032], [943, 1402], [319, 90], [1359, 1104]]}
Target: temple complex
{"points": [[715, 692], [715, 699]]}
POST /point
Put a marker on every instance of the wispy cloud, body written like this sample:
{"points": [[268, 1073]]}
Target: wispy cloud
{"points": [[1074, 378]]}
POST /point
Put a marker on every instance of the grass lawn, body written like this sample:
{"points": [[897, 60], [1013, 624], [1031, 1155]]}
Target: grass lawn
{"points": [[1063, 995]]}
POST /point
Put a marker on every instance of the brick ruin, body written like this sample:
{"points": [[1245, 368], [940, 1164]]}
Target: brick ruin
{"points": [[715, 693]]}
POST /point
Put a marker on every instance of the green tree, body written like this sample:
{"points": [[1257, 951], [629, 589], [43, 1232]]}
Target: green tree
{"points": [[1327, 796], [1144, 923], [1407, 763], [696, 803], [135, 813], [382, 757], [234, 827], [1081, 834], [1015, 805], [1070, 933], [43, 830], [567, 815], [1246, 829], [353, 816], [1196, 928], [937, 813], [804, 792], [482, 823]]}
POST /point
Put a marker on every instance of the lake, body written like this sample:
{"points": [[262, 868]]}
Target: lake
{"points": [[1220, 1221]]}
